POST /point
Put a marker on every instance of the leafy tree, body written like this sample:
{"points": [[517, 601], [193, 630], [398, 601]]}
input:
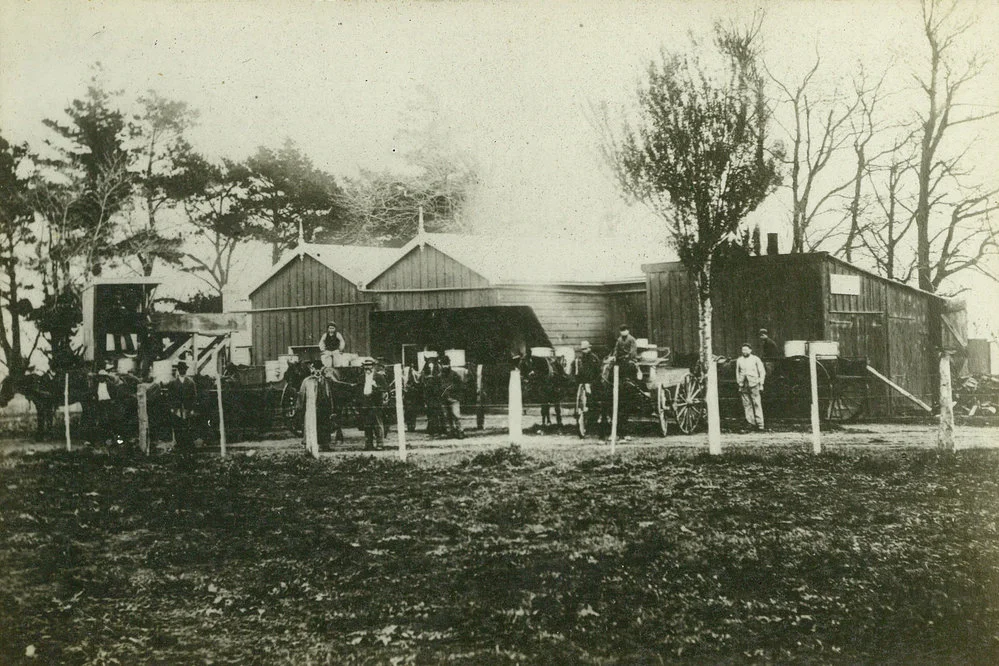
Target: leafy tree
{"points": [[693, 155], [288, 195], [16, 237], [157, 149], [91, 163], [214, 201]]}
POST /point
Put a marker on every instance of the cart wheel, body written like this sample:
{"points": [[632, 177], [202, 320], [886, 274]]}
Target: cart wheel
{"points": [[846, 398], [581, 409], [662, 409], [288, 408], [688, 404]]}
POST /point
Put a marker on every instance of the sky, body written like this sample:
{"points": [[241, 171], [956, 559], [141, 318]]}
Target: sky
{"points": [[512, 83]]}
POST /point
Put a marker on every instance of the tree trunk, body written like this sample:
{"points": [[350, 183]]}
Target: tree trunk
{"points": [[858, 179], [707, 357], [927, 149]]}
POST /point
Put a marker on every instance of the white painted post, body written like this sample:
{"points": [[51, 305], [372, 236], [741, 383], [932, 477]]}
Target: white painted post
{"points": [[616, 401], [813, 374], [945, 436], [714, 416], [218, 385], [480, 413], [65, 412], [400, 419], [142, 411], [515, 410]]}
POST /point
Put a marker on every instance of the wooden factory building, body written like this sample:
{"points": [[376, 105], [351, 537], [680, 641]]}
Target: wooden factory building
{"points": [[487, 295], [814, 296], [310, 286], [496, 295]]}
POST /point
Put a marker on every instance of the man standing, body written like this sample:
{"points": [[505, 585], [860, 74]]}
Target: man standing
{"points": [[750, 375], [183, 396], [450, 386], [315, 404], [768, 347], [331, 345], [372, 394], [587, 366]]}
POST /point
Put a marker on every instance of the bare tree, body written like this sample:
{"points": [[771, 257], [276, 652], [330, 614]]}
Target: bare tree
{"points": [[962, 236], [819, 129], [884, 237]]}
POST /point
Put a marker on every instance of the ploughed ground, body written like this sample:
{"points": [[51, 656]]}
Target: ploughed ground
{"points": [[881, 550]]}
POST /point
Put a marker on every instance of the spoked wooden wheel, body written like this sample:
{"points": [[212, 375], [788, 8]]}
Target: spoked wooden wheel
{"points": [[847, 398], [688, 404], [662, 409], [581, 409]]}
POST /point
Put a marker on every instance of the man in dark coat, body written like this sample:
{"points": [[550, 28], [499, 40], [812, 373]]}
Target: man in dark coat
{"points": [[768, 346], [182, 394], [450, 392]]}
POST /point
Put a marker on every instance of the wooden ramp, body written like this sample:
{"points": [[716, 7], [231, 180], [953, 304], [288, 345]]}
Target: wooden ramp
{"points": [[900, 390]]}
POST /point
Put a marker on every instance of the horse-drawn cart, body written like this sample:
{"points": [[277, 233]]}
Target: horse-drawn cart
{"points": [[664, 393]]}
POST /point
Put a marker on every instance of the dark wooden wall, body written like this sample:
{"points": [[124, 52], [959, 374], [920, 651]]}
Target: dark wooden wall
{"points": [[770, 292], [894, 327], [627, 305], [309, 295]]}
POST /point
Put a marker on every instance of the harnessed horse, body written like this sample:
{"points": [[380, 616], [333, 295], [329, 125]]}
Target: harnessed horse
{"points": [[545, 379]]}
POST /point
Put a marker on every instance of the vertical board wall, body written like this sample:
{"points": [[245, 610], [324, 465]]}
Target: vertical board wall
{"points": [[311, 295]]}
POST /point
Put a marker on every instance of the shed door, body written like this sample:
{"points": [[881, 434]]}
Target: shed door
{"points": [[861, 335]]}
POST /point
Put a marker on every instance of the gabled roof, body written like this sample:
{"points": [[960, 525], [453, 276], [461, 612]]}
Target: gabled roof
{"points": [[356, 263], [522, 259]]}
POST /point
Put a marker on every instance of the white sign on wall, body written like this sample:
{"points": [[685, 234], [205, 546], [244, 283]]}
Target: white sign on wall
{"points": [[848, 285]]}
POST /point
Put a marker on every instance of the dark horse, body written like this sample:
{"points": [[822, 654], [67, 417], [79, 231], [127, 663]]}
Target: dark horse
{"points": [[545, 381], [47, 392]]}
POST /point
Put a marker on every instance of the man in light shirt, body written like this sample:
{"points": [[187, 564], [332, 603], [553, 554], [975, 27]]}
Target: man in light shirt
{"points": [[750, 376], [372, 394]]}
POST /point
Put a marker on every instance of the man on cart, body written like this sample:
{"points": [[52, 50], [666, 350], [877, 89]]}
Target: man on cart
{"points": [[331, 345]]}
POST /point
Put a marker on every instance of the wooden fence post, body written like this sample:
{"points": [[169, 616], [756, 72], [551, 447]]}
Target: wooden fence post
{"points": [[515, 409], [480, 411], [218, 384], [714, 416], [616, 402], [400, 418], [65, 412], [142, 411], [945, 435], [813, 373]]}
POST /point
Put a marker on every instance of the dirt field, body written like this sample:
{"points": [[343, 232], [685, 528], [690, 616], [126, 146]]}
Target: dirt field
{"points": [[880, 551]]}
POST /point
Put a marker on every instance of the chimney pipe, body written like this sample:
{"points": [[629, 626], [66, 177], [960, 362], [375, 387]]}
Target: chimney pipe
{"points": [[772, 247]]}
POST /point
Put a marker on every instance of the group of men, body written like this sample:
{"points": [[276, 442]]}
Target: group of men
{"points": [[750, 371], [316, 398]]}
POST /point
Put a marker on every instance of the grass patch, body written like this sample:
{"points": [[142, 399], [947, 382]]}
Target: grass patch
{"points": [[656, 556]]}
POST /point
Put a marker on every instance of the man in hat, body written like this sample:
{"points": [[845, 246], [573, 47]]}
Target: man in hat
{"points": [[626, 354], [182, 394], [588, 365], [750, 376], [372, 404], [315, 404], [108, 415], [768, 347], [331, 345], [450, 396]]}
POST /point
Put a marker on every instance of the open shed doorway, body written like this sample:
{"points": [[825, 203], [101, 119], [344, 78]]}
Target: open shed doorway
{"points": [[489, 335]]}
